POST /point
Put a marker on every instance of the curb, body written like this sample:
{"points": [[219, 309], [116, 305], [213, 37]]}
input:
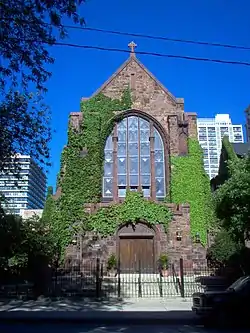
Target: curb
{"points": [[105, 317]]}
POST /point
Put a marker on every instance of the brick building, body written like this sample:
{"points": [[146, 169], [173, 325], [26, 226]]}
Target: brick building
{"points": [[137, 157]]}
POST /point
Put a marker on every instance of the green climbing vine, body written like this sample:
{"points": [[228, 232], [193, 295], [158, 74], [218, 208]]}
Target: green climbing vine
{"points": [[80, 180], [228, 149], [227, 154], [134, 209], [190, 184], [49, 206], [80, 177]]}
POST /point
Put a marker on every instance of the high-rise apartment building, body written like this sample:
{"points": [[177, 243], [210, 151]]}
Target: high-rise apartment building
{"points": [[248, 123], [210, 134], [27, 191]]}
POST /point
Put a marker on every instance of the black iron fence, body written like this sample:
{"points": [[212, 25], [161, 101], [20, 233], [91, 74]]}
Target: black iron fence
{"points": [[93, 280]]}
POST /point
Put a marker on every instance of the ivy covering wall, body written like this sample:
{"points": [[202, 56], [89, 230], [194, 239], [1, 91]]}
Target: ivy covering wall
{"points": [[227, 148], [227, 154], [49, 206], [80, 179], [190, 184], [134, 209]]}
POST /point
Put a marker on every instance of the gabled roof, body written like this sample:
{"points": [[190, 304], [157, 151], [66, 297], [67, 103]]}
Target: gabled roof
{"points": [[133, 58], [241, 149]]}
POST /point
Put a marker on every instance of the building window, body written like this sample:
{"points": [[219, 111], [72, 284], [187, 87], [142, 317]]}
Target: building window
{"points": [[135, 158]]}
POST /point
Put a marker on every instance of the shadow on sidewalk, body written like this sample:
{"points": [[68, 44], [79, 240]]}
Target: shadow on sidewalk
{"points": [[92, 304], [89, 316], [63, 304]]}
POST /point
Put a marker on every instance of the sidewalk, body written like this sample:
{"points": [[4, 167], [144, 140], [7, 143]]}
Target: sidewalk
{"points": [[137, 311]]}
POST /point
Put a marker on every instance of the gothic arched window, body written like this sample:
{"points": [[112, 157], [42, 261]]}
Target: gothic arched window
{"points": [[134, 159]]}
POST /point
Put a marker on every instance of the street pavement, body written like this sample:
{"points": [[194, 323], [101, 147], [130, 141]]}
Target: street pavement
{"points": [[81, 328]]}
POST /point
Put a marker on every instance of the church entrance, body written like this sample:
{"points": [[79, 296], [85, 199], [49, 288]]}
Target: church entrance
{"points": [[137, 254], [136, 249]]}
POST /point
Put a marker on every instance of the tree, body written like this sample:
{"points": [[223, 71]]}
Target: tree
{"points": [[232, 200], [23, 241], [50, 218], [24, 128], [49, 206], [222, 249], [230, 258], [26, 30], [10, 237]]}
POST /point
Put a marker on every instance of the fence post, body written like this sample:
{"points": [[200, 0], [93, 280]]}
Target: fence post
{"points": [[160, 286], [182, 278], [54, 280], [101, 270], [139, 281], [98, 285], [119, 278]]}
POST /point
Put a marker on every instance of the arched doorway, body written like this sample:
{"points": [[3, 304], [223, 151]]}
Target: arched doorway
{"points": [[136, 248]]}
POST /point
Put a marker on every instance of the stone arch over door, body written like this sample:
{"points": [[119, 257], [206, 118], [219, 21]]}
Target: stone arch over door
{"points": [[136, 248]]}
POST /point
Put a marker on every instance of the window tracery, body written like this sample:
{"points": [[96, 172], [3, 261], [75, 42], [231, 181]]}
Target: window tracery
{"points": [[138, 159]]}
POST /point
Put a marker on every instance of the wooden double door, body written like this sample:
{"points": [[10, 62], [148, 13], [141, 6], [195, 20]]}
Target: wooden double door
{"points": [[137, 254]]}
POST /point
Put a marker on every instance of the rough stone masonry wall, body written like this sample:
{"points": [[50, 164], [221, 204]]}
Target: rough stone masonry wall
{"points": [[194, 255], [180, 248], [149, 96]]}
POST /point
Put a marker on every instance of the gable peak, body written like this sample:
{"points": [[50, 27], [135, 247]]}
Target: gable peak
{"points": [[133, 61]]}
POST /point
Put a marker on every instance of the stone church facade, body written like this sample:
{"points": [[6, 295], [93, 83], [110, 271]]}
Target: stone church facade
{"points": [[139, 148]]}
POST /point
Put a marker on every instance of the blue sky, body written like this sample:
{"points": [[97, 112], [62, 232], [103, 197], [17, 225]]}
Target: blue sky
{"points": [[208, 88]]}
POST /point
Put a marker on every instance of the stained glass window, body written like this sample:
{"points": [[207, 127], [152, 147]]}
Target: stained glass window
{"points": [[108, 169], [159, 166], [134, 162]]}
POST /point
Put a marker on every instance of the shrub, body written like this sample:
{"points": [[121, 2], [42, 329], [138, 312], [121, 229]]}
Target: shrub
{"points": [[163, 261], [112, 262]]}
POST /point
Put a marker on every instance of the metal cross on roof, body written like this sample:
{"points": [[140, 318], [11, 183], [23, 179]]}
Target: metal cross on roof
{"points": [[132, 47]]}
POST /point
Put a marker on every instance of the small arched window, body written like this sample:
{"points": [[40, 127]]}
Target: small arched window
{"points": [[135, 160]]}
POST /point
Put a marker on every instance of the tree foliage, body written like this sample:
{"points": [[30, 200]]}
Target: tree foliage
{"points": [[232, 207], [23, 240], [227, 154], [24, 128], [223, 248], [26, 30], [50, 217], [230, 258], [49, 206], [232, 199], [10, 237]]}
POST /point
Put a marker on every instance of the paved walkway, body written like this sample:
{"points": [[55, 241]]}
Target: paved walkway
{"points": [[137, 304], [108, 311]]}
